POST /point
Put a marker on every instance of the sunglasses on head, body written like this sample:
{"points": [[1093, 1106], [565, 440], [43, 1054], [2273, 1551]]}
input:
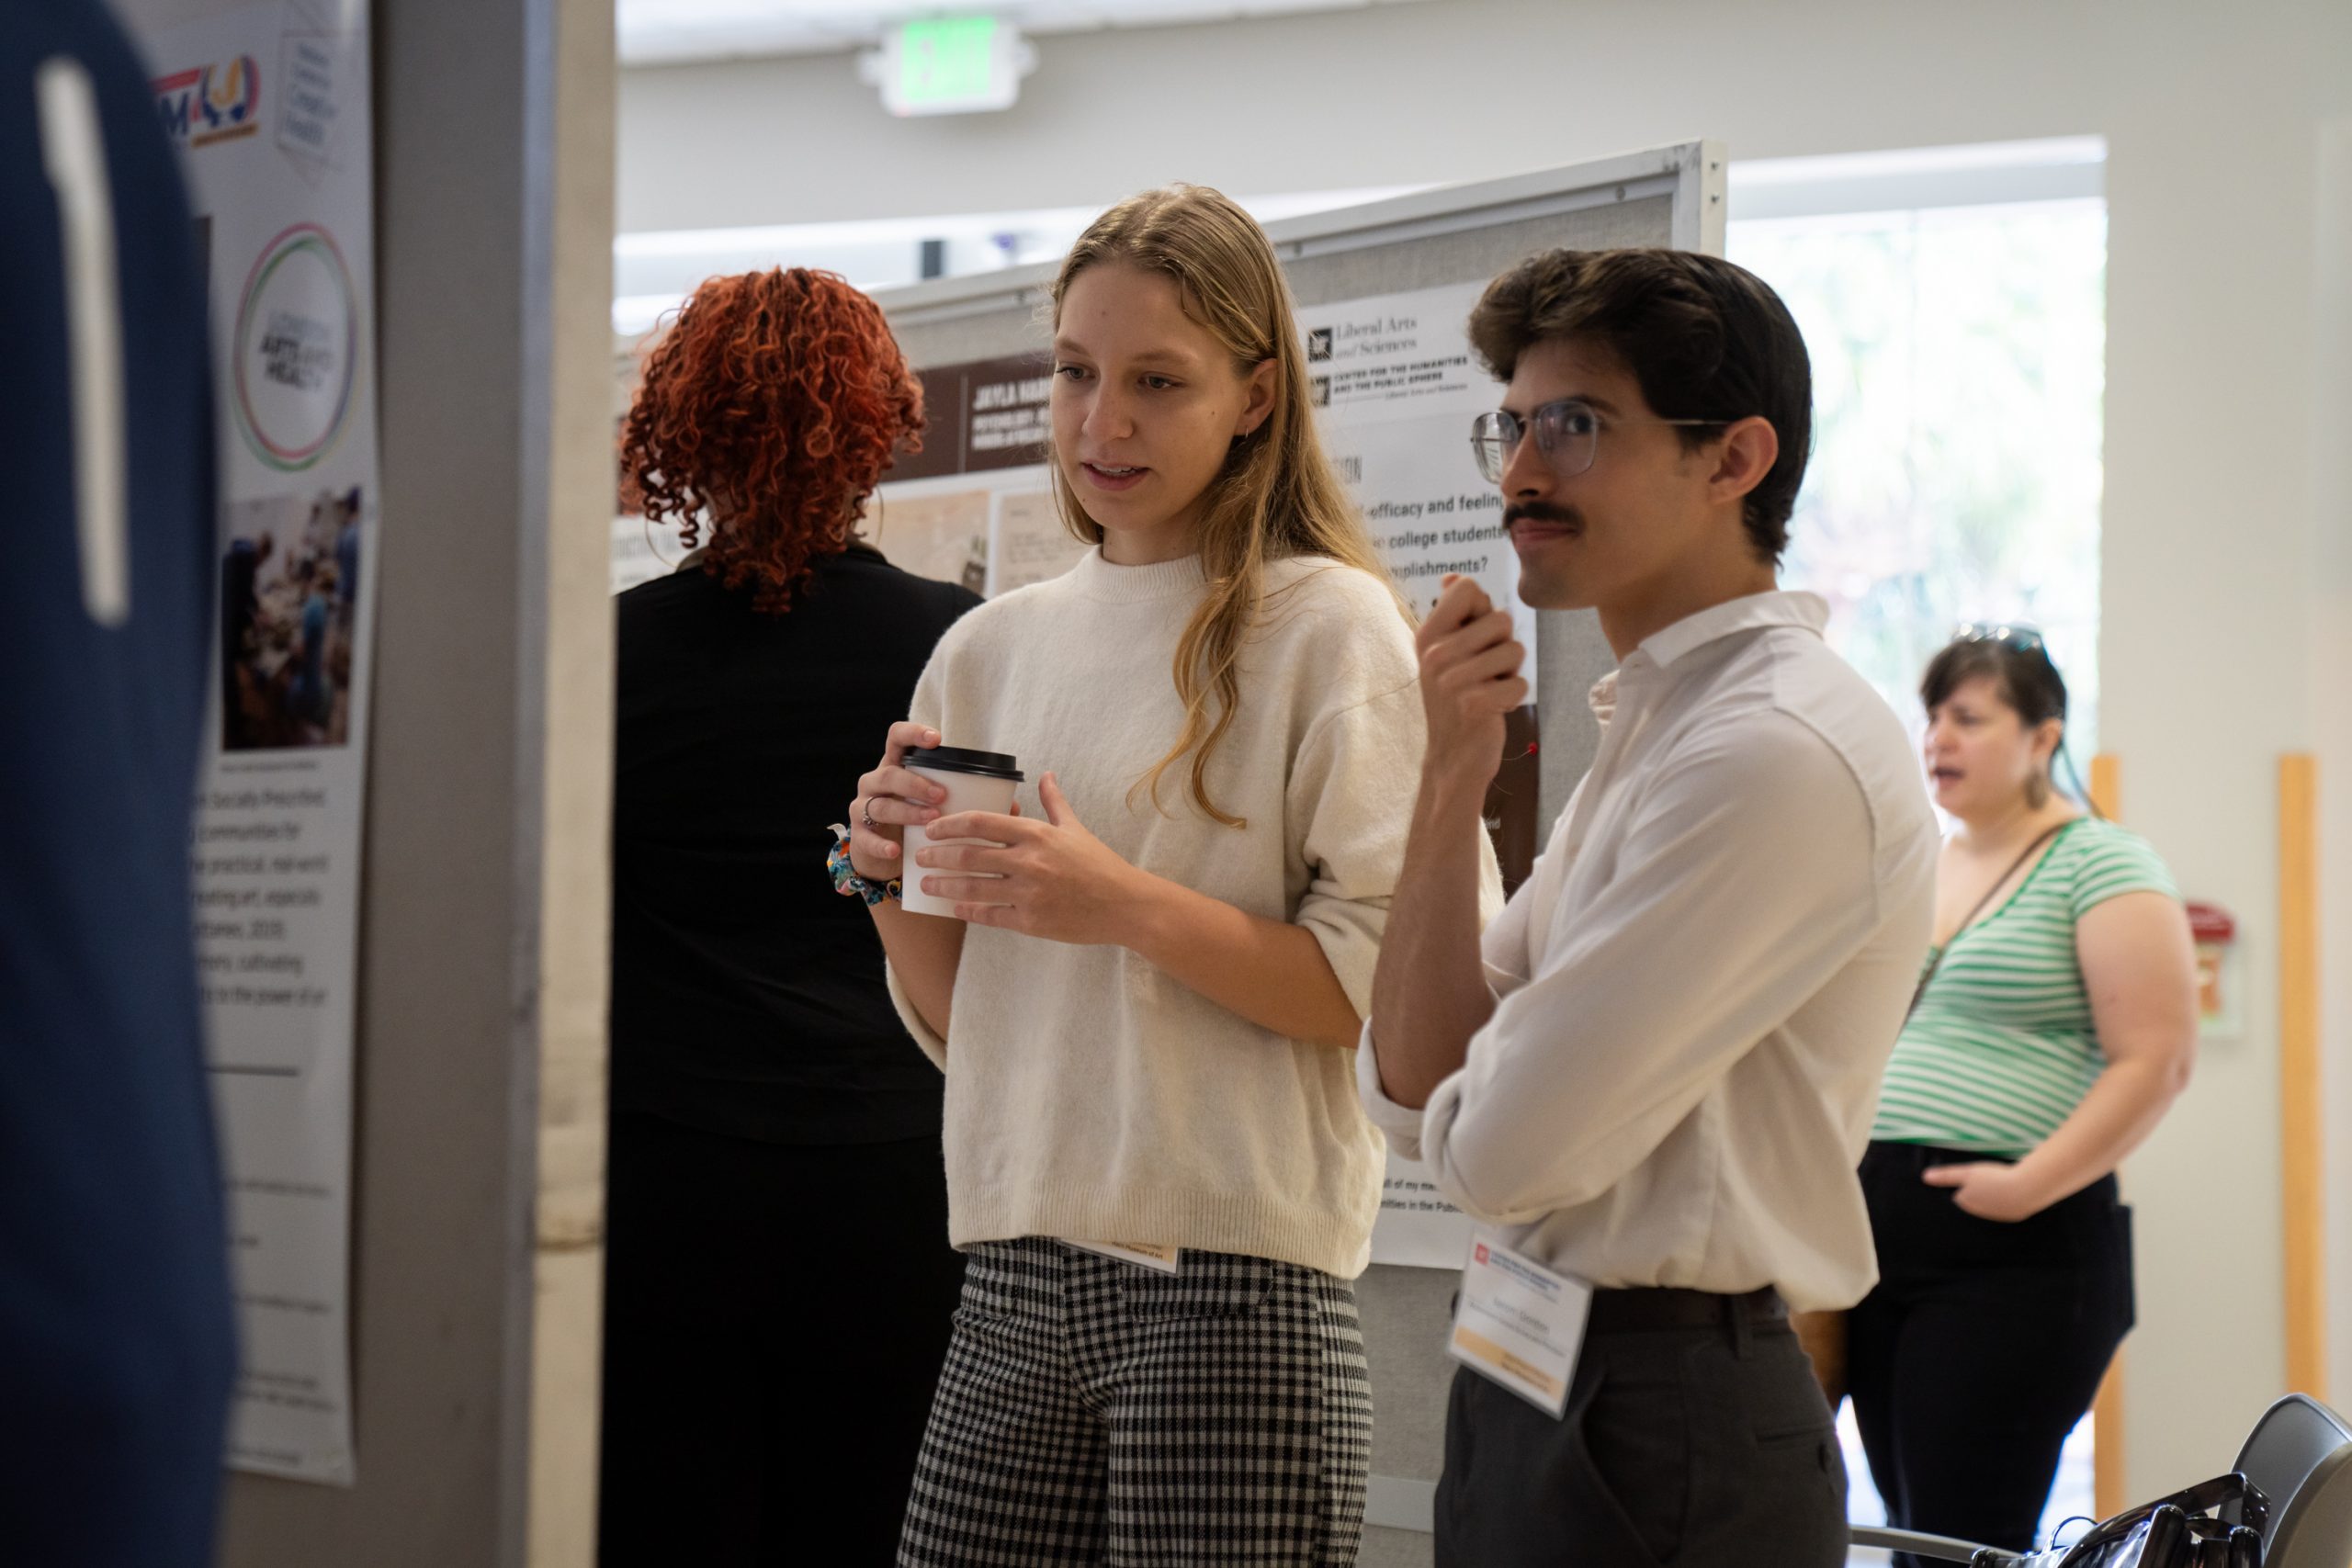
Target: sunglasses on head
{"points": [[2002, 634], [1567, 433]]}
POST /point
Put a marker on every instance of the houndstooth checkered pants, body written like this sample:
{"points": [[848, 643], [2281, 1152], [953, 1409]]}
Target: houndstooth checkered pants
{"points": [[1098, 1412]]}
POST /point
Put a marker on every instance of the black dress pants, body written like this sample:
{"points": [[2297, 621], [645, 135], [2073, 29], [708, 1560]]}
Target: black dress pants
{"points": [[775, 1317], [1982, 1347], [1683, 1446]]}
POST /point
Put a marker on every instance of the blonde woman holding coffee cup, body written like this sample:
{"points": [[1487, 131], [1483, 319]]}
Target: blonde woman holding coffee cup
{"points": [[1148, 990]]}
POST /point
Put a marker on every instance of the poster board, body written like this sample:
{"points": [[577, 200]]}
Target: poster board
{"points": [[270, 107], [1383, 291]]}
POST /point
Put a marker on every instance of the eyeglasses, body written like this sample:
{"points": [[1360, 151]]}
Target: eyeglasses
{"points": [[2016, 638], [1567, 433]]}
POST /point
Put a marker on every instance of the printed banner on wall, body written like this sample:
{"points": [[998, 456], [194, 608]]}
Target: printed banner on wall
{"points": [[270, 106]]}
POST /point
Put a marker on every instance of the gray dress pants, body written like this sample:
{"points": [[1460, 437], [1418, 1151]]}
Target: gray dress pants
{"points": [[1684, 1444]]}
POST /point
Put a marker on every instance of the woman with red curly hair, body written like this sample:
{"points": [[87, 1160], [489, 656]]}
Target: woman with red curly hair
{"points": [[770, 1118]]}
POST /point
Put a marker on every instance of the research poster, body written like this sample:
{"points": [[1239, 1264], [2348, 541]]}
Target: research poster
{"points": [[1397, 387], [976, 505], [268, 106]]}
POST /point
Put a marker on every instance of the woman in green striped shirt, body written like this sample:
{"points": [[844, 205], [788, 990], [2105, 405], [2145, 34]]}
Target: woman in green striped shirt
{"points": [[2056, 1020]]}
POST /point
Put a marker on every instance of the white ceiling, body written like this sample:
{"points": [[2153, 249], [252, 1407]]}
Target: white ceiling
{"points": [[667, 31]]}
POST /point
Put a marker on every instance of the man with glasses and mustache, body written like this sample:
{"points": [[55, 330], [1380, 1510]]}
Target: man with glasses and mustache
{"points": [[1654, 1075]]}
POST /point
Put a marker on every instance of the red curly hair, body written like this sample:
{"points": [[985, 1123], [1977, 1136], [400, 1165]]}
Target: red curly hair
{"points": [[774, 404]]}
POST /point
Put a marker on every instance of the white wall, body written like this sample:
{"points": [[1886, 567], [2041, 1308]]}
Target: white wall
{"points": [[2330, 666], [2226, 487]]}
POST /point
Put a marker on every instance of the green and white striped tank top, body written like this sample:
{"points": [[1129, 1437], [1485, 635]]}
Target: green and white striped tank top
{"points": [[2002, 1048]]}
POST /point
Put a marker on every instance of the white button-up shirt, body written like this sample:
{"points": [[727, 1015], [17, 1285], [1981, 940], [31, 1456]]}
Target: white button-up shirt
{"points": [[1698, 988]]}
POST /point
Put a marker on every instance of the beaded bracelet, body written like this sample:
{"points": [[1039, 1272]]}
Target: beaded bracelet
{"points": [[847, 882]]}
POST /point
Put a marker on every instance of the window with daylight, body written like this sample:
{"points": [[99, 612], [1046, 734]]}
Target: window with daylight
{"points": [[1959, 365]]}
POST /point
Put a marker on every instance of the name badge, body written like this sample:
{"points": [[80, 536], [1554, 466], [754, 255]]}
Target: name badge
{"points": [[1165, 1259], [1519, 1324]]}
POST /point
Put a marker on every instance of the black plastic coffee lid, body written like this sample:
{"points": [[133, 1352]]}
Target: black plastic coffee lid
{"points": [[956, 759]]}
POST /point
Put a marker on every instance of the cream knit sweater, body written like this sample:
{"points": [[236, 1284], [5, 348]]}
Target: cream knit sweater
{"points": [[1089, 1096]]}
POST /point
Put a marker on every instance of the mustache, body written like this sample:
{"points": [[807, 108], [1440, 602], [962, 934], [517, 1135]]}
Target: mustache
{"points": [[1540, 511]]}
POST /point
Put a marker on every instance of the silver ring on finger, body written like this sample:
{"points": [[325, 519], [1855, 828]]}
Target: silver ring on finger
{"points": [[865, 814]]}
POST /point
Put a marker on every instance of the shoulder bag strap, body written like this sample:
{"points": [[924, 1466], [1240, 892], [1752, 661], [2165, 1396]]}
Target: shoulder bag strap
{"points": [[1958, 931]]}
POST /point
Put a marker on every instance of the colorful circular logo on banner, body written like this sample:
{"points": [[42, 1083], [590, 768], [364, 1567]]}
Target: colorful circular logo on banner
{"points": [[297, 348], [227, 96]]}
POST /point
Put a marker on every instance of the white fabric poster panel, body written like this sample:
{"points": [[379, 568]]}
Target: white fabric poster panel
{"points": [[270, 106]]}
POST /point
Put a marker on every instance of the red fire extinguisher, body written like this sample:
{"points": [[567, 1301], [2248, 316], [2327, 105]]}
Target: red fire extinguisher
{"points": [[2215, 931]]}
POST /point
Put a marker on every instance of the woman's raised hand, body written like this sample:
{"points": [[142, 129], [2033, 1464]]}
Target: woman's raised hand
{"points": [[1053, 879]]}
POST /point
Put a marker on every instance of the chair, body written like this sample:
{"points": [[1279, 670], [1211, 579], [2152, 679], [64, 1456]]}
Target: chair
{"points": [[2299, 1455]]}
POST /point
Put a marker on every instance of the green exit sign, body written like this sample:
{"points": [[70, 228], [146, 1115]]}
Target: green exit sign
{"points": [[952, 66], [949, 61]]}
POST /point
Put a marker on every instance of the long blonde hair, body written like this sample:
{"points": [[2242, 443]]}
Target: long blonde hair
{"points": [[1277, 495]]}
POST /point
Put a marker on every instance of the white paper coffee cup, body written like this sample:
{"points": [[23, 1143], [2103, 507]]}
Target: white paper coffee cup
{"points": [[975, 781]]}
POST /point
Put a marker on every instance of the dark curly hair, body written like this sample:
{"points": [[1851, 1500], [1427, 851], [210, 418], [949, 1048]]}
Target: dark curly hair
{"points": [[773, 403]]}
